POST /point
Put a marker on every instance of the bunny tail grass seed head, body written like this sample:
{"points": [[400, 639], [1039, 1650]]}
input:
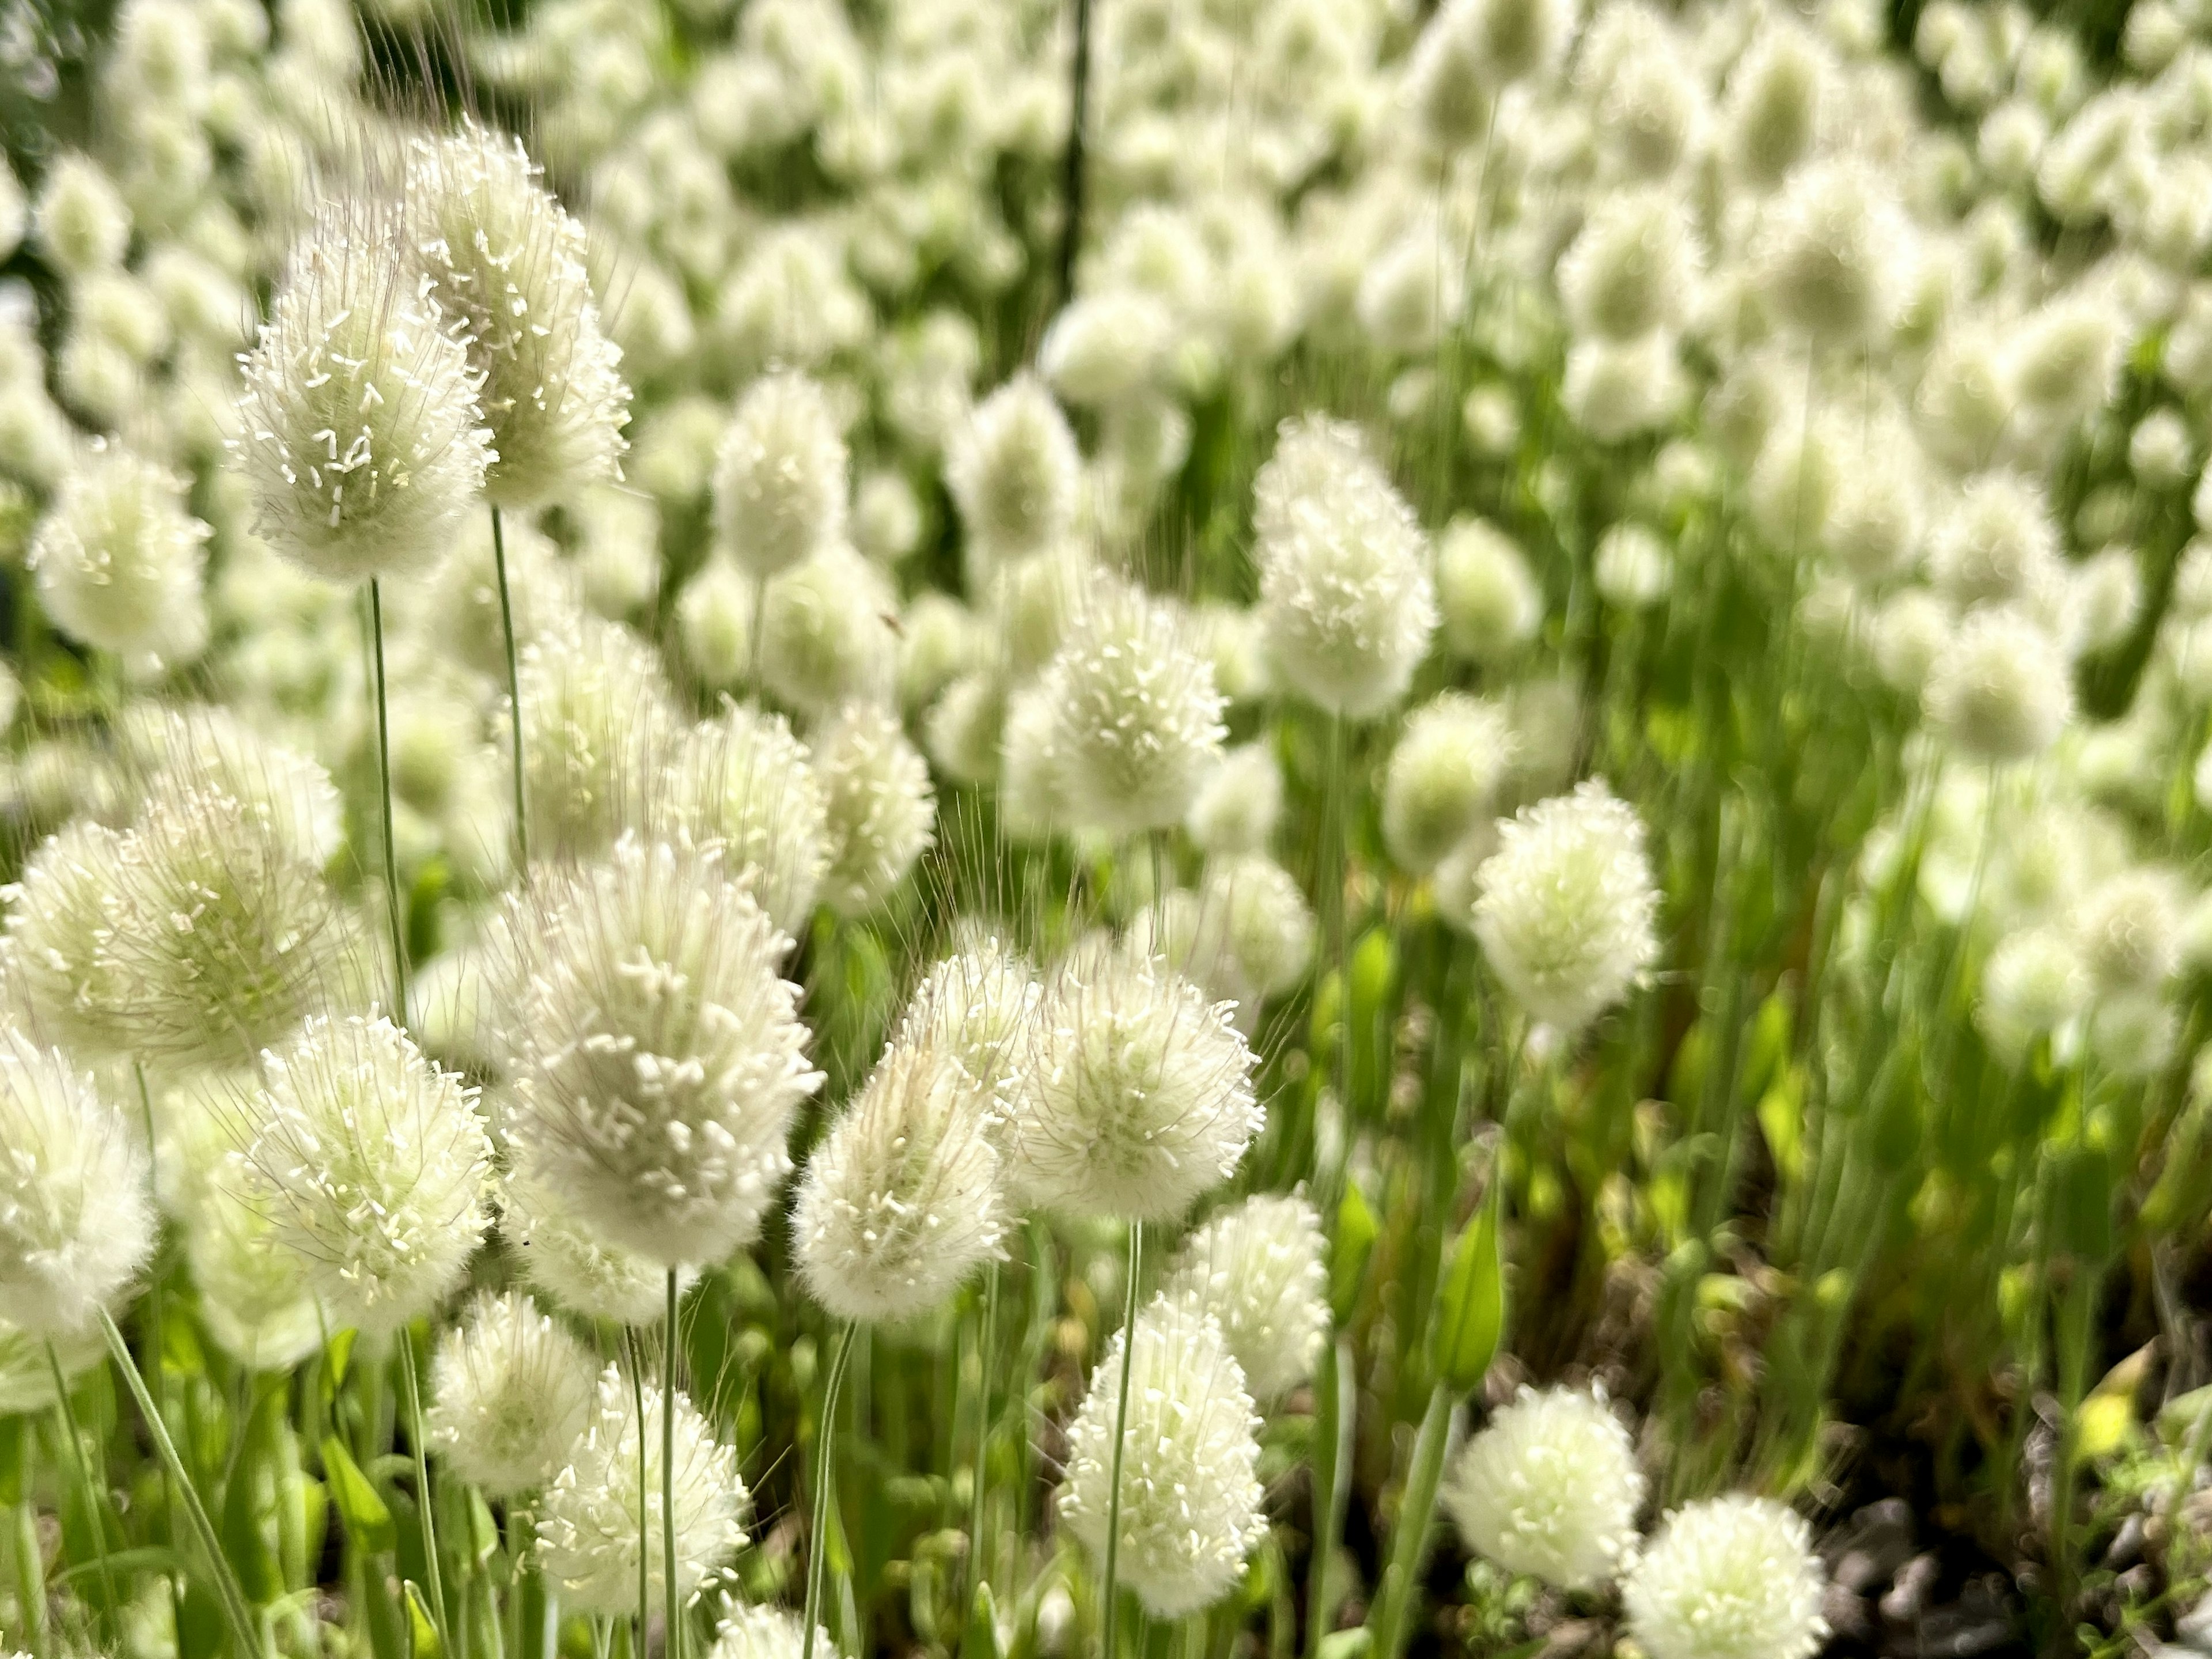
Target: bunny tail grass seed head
{"points": [[506, 262], [373, 1165], [743, 782], [76, 1210], [1191, 1502], [2001, 691], [1259, 1268], [576, 1268], [1136, 1096], [511, 1394], [1732, 1577], [827, 633], [117, 559], [980, 1006], [780, 476], [1015, 474], [254, 1294], [360, 435], [1444, 777], [1136, 719], [1567, 906], [659, 1059], [766, 1632], [588, 1541], [1550, 1486], [878, 807], [900, 1201], [1347, 601]]}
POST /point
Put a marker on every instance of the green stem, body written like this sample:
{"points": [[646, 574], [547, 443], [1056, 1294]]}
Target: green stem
{"points": [[671, 1639], [390, 844], [431, 1570], [226, 1583], [1410, 1537], [976, 1563], [1337, 1400], [636, 1351], [1111, 1590], [513, 692], [30, 1570], [65, 1415], [817, 1546]]}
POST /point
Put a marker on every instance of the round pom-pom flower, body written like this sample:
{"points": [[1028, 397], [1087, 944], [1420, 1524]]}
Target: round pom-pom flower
{"points": [[1566, 906], [1442, 777], [588, 1540], [597, 719], [828, 633], [360, 435], [1239, 803], [766, 1632], [1731, 1577], [743, 781], [1260, 1269], [1015, 474], [373, 1166], [511, 1393], [80, 223], [1631, 268], [658, 1058], [900, 1202], [1550, 1486], [780, 476], [1489, 599], [1346, 604], [507, 262], [980, 1006], [2001, 691], [1136, 1096], [117, 559], [1253, 919], [76, 1214], [1191, 1498], [1834, 255], [1136, 719], [877, 805]]}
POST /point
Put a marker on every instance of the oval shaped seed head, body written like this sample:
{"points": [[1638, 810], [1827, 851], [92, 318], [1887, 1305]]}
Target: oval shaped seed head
{"points": [[598, 721], [2003, 690], [1136, 719], [1259, 1268], [511, 1393], [1015, 475], [79, 223], [118, 560], [507, 262], [742, 781], [1835, 255], [980, 1006], [254, 1297], [779, 477], [1550, 1486], [657, 1059], [1136, 1096], [1567, 906], [1191, 1502], [828, 633], [565, 1260], [69, 898], [588, 1537], [1444, 777], [76, 1214], [288, 795], [1347, 603], [901, 1201], [1252, 916], [218, 939], [1997, 544], [373, 1166], [2033, 985], [1732, 1577], [2130, 930], [359, 433], [1239, 803], [1632, 267], [877, 805]]}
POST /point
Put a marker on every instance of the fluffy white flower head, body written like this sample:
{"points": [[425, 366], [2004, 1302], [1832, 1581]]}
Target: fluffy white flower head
{"points": [[1191, 1508], [766, 1632], [900, 1202], [743, 782], [564, 1259], [1136, 718], [587, 1526], [1137, 1095], [1015, 474], [372, 1166], [1259, 1269], [360, 432], [507, 263], [76, 1216], [780, 476], [658, 1058], [877, 805], [2001, 691], [119, 559], [1347, 601], [511, 1393], [1550, 1486], [1731, 1577], [1443, 776], [1566, 906]]}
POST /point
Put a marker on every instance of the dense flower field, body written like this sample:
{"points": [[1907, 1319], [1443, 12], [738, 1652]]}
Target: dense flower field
{"points": [[1164, 829]]}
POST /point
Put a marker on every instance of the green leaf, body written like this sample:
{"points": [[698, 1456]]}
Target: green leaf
{"points": [[147, 1558], [1471, 1313], [981, 1638], [1781, 1119], [368, 1521], [421, 1625], [335, 1356], [1346, 1643], [1354, 1241]]}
